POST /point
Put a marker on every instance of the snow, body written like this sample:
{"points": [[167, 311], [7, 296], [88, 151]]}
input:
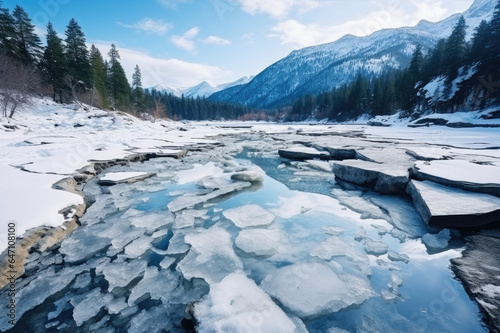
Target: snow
{"points": [[313, 289], [249, 216], [237, 304], [30, 200], [461, 171]]}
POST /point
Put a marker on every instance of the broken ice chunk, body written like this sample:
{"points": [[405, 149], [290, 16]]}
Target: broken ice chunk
{"points": [[394, 256], [381, 229], [88, 305], [211, 256], [260, 242], [154, 320], [157, 285], [121, 274], [82, 245], [249, 216], [313, 289], [389, 264], [251, 173], [377, 248], [213, 183], [138, 247], [167, 262], [153, 221], [237, 304], [186, 201], [439, 241]]}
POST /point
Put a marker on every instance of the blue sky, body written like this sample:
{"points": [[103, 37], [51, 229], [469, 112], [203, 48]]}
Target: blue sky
{"points": [[184, 42]]}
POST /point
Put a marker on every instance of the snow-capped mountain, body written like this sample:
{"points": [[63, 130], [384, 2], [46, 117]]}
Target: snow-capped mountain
{"points": [[204, 89], [321, 68]]}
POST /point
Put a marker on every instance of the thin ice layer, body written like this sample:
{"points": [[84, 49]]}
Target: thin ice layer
{"points": [[313, 289], [249, 216]]}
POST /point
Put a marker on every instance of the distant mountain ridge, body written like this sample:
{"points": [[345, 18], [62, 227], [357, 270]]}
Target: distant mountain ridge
{"points": [[321, 68], [203, 89]]}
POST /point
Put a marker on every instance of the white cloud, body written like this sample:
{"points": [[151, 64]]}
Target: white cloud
{"points": [[158, 27], [186, 41], [216, 40], [391, 14], [430, 10], [166, 71], [172, 4], [279, 8]]}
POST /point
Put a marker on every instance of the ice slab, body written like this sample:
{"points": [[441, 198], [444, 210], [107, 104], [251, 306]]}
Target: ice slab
{"points": [[439, 241], [154, 320], [87, 306], [462, 174], [448, 207], [259, 242], [383, 178], [237, 304], [251, 173], [249, 216], [113, 178], [82, 245], [335, 247], [138, 247], [395, 256], [120, 274], [314, 289], [303, 153], [211, 256], [157, 285]]}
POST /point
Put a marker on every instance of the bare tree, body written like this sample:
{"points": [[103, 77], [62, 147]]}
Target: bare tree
{"points": [[159, 110], [18, 82]]}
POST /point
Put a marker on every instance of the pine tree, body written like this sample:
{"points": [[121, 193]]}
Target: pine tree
{"points": [[77, 56], [137, 91], [29, 46], [456, 49], [53, 64], [7, 33], [119, 87], [479, 40], [99, 76]]}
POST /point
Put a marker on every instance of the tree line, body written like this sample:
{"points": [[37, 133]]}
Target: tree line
{"points": [[68, 71], [466, 75]]}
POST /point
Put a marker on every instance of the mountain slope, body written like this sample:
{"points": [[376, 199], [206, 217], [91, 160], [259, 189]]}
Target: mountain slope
{"points": [[203, 89], [320, 68]]}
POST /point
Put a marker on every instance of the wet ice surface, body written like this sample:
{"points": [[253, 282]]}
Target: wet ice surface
{"points": [[255, 257]]}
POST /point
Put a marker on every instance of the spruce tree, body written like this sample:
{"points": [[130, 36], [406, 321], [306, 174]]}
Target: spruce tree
{"points": [[77, 56], [137, 91], [480, 40], [53, 64], [28, 44], [99, 76], [119, 87], [456, 49], [7, 33]]}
